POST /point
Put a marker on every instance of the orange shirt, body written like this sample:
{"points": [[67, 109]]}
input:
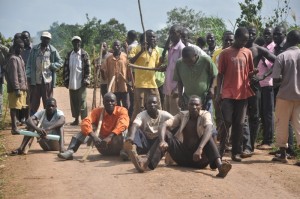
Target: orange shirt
{"points": [[235, 65], [117, 67], [115, 123]]}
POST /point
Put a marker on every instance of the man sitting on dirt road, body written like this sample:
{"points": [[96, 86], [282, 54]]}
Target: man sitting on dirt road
{"points": [[186, 147], [115, 121], [144, 130], [51, 121]]}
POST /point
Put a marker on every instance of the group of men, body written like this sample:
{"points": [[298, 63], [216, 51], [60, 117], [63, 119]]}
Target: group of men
{"points": [[233, 82]]}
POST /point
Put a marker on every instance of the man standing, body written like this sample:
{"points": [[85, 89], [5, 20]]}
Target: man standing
{"points": [[115, 121], [25, 36], [41, 67], [76, 76], [16, 83], [185, 38], [191, 146], [211, 44], [286, 69], [98, 65], [116, 65], [51, 121], [170, 86], [145, 55], [235, 68], [3, 59], [266, 93]]}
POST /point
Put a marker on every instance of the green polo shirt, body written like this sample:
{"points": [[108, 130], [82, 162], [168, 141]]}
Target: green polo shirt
{"points": [[196, 79]]}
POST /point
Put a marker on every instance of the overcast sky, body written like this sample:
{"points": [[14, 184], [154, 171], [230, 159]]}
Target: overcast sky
{"points": [[38, 15]]}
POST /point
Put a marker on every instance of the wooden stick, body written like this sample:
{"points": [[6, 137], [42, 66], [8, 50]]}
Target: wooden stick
{"points": [[142, 67]]}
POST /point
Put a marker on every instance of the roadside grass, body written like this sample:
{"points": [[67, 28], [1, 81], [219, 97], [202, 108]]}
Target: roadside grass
{"points": [[3, 124]]}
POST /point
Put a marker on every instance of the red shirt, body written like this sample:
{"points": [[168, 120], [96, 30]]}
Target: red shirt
{"points": [[115, 123], [236, 64]]}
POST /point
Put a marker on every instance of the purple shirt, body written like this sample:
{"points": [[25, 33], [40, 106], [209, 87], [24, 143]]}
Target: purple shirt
{"points": [[174, 54], [262, 68]]}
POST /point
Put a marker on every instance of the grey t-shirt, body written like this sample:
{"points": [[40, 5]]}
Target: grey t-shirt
{"points": [[287, 64], [45, 123], [149, 125]]}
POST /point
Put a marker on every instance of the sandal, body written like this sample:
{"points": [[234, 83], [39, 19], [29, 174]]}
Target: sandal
{"points": [[16, 152]]}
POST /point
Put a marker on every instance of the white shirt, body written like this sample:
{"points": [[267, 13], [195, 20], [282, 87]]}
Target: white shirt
{"points": [[198, 50], [75, 65]]}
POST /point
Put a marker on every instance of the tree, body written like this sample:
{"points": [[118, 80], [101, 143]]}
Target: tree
{"points": [[250, 14], [197, 22]]}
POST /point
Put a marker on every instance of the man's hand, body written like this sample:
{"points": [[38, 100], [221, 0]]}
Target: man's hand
{"points": [[162, 68], [197, 155], [128, 145], [41, 132], [163, 145], [18, 93], [97, 142]]}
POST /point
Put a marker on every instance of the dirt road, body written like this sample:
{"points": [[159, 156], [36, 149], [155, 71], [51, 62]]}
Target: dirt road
{"points": [[41, 175]]}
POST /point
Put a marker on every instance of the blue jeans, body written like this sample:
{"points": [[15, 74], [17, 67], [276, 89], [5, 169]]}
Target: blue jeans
{"points": [[142, 142]]}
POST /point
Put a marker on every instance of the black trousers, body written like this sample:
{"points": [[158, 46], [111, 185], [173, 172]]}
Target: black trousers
{"points": [[183, 155]]}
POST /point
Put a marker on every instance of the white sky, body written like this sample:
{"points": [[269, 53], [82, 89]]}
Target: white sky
{"points": [[38, 15]]}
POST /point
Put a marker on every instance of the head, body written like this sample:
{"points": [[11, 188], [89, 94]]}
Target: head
{"points": [[104, 47], [25, 36], [17, 36], [131, 36], [51, 106], [175, 33], [45, 38], [152, 105], [76, 42], [150, 38], [201, 42], [228, 39], [185, 36], [194, 105], [241, 37], [189, 56], [18, 46], [293, 38], [252, 34], [109, 102], [279, 34], [268, 35], [116, 47], [260, 41], [210, 40]]}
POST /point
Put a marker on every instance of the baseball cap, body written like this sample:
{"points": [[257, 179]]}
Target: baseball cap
{"points": [[76, 37], [46, 34]]}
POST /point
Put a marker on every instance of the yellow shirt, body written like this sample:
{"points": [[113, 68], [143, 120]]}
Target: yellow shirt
{"points": [[145, 78], [215, 56]]}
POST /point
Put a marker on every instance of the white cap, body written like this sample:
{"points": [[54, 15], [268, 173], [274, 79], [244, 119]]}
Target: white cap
{"points": [[46, 34], [76, 37]]}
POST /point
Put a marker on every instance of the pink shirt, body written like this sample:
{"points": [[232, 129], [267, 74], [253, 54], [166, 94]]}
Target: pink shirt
{"points": [[262, 68], [174, 54]]}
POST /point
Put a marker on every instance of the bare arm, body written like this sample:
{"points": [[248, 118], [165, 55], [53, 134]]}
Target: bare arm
{"points": [[132, 131], [220, 79]]}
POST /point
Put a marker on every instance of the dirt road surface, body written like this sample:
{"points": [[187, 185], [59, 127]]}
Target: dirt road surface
{"points": [[41, 175]]}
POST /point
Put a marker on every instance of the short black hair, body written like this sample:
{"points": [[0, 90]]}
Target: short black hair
{"points": [[293, 37], [241, 31], [24, 32], [188, 51], [131, 34]]}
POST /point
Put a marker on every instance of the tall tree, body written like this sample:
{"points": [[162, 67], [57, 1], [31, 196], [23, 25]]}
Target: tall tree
{"points": [[196, 21]]}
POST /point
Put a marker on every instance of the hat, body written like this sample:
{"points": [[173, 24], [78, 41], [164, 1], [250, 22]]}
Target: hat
{"points": [[76, 37], [46, 34]]}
